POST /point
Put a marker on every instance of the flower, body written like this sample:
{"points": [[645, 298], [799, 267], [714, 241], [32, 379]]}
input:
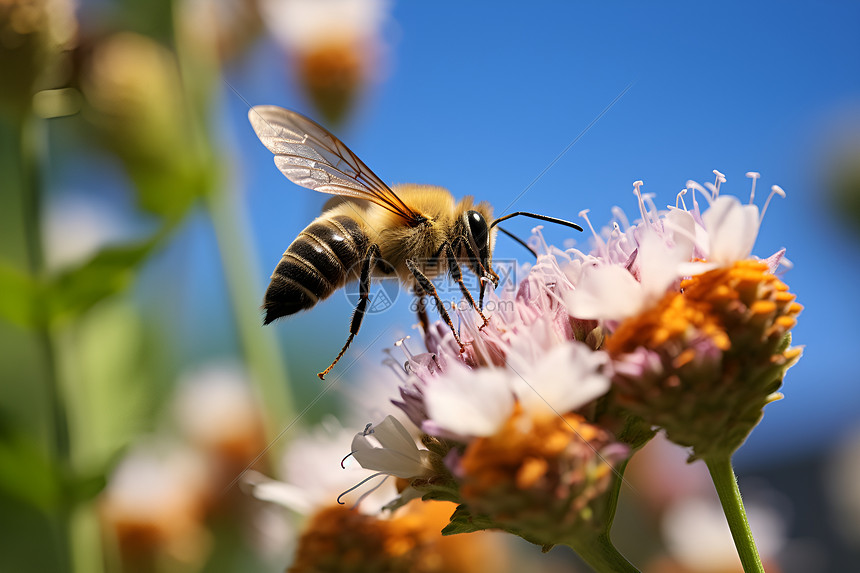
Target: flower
{"points": [[698, 539], [703, 358], [466, 404], [703, 363], [33, 36], [353, 534], [542, 478], [315, 474], [387, 447], [503, 416], [335, 46], [338, 539], [217, 412], [667, 323], [154, 505]]}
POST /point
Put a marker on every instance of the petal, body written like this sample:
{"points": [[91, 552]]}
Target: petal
{"points": [[658, 265], [606, 292], [683, 228], [565, 379], [477, 405], [732, 229], [399, 455]]}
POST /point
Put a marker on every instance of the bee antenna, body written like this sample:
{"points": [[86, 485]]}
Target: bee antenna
{"points": [[520, 241], [539, 217]]}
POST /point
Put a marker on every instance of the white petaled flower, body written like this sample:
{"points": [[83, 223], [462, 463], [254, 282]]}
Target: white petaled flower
{"points": [[216, 408], [155, 503], [698, 537], [301, 24], [315, 473], [389, 448]]}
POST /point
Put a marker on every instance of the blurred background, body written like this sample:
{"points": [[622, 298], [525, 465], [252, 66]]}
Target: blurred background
{"points": [[140, 219]]}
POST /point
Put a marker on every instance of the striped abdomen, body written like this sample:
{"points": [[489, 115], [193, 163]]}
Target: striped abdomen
{"points": [[316, 264]]}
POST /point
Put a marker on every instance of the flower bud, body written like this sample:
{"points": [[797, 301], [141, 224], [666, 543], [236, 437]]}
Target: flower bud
{"points": [[32, 34], [543, 478], [704, 362]]}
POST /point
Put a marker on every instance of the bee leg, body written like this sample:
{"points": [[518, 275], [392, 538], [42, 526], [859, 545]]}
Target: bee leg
{"points": [[423, 319], [481, 295], [427, 286], [457, 275], [364, 295]]}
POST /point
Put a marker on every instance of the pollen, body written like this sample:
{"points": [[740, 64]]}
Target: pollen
{"points": [[704, 361], [541, 474]]}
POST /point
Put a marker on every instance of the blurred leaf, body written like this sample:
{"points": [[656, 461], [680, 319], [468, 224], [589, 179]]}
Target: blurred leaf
{"points": [[113, 381], [150, 17], [109, 272], [169, 190], [26, 473], [20, 296], [83, 488]]}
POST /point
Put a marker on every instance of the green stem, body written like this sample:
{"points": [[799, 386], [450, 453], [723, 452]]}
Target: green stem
{"points": [[726, 484], [31, 204], [199, 67], [600, 554], [265, 363], [614, 493]]}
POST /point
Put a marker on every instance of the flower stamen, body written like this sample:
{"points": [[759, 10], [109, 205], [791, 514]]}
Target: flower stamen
{"points": [[774, 190], [754, 175]]}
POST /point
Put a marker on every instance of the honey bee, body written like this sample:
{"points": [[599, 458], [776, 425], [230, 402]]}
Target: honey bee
{"points": [[413, 232]]}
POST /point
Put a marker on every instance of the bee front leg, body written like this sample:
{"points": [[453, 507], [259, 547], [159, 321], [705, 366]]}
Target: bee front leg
{"points": [[457, 275], [427, 286], [364, 294], [421, 311]]}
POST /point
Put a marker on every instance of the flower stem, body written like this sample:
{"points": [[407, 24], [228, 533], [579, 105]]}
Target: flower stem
{"points": [[27, 146], [265, 363], [726, 484], [600, 554]]}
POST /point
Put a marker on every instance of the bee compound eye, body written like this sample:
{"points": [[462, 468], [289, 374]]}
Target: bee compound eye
{"points": [[478, 228]]}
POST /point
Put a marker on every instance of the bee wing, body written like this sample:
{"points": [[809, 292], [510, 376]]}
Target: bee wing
{"points": [[308, 155]]}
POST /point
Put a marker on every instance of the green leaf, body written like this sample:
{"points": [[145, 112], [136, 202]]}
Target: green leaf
{"points": [[170, 189], [109, 272], [442, 495], [462, 521]]}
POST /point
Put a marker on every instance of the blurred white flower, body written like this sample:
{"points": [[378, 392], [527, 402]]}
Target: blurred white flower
{"points": [[301, 24], [216, 409], [155, 502], [75, 228], [698, 537], [335, 47]]}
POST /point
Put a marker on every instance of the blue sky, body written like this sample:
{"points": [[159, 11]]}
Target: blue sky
{"points": [[481, 100]]}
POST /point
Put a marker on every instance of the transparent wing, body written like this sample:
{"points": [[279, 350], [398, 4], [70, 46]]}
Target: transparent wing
{"points": [[308, 155]]}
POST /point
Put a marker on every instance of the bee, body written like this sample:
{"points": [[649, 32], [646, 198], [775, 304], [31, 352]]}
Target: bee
{"points": [[412, 232]]}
